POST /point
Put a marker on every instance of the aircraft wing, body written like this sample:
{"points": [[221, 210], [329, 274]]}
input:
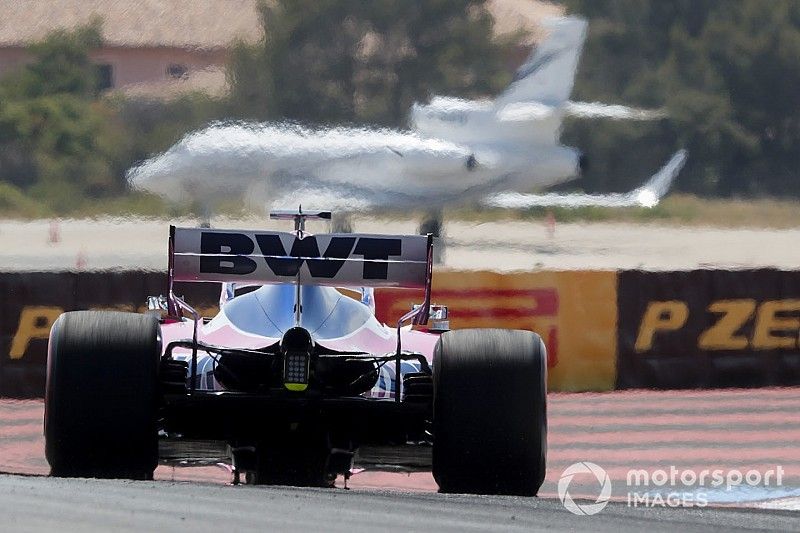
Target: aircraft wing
{"points": [[615, 112], [648, 195], [532, 111]]}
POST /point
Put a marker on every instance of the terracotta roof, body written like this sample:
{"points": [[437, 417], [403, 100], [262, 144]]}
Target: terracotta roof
{"points": [[514, 15], [204, 24]]}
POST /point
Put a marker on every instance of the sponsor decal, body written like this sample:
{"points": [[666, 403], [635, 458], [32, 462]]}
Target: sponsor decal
{"points": [[709, 327], [33, 301], [227, 253], [713, 311], [574, 312], [34, 323], [738, 324], [279, 257], [534, 309]]}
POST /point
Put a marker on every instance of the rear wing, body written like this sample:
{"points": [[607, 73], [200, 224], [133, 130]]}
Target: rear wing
{"points": [[267, 257]]}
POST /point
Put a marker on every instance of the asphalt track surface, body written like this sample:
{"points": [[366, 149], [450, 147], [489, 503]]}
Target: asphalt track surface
{"points": [[727, 429], [45, 504]]}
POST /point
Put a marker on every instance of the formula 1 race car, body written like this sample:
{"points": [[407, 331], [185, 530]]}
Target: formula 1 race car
{"points": [[294, 381]]}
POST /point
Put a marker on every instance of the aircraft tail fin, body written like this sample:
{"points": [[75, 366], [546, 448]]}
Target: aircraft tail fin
{"points": [[548, 74]]}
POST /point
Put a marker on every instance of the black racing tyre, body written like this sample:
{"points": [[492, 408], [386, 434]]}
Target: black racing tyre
{"points": [[490, 412], [101, 398]]}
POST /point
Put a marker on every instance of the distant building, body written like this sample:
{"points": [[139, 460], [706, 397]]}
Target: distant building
{"points": [[166, 47]]}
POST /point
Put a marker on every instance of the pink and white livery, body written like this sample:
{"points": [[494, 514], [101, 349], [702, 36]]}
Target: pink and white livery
{"points": [[292, 381]]}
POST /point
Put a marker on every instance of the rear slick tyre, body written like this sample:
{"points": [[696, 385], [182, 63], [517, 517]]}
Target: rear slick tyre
{"points": [[490, 412], [101, 396]]}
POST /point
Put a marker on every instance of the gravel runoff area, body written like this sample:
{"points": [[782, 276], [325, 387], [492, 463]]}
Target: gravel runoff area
{"points": [[93, 244]]}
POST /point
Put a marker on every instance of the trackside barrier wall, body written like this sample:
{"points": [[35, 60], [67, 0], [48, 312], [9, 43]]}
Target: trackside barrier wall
{"points": [[603, 330], [31, 302], [575, 312], [708, 328]]}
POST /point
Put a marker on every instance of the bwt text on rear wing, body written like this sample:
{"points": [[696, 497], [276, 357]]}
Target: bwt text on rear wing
{"points": [[268, 257]]}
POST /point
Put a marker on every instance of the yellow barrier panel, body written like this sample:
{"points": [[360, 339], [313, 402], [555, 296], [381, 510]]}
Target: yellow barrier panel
{"points": [[575, 312]]}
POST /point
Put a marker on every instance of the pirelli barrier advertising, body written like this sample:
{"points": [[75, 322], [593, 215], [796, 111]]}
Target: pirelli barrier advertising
{"points": [[31, 302], [603, 330], [575, 312], [708, 328]]}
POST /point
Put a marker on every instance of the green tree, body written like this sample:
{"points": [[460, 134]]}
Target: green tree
{"points": [[57, 140], [725, 70], [60, 65], [348, 60]]}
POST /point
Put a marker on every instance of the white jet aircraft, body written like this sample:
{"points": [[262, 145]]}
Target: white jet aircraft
{"points": [[498, 152]]}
